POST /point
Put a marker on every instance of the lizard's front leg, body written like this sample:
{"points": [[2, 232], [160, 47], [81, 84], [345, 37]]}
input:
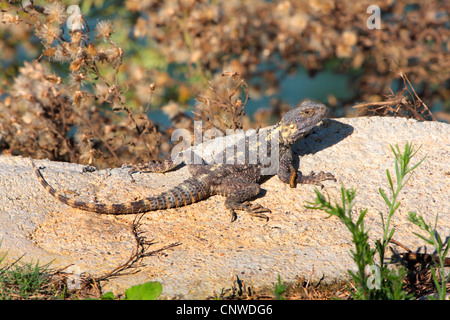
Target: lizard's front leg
{"points": [[288, 174], [237, 192]]}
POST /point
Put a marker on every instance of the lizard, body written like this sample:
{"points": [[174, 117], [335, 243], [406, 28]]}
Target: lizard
{"points": [[238, 182]]}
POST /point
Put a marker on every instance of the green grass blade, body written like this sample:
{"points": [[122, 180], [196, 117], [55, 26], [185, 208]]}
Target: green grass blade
{"points": [[385, 198]]}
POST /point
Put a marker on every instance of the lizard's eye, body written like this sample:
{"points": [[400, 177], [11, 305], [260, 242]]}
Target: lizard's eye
{"points": [[292, 126], [307, 113]]}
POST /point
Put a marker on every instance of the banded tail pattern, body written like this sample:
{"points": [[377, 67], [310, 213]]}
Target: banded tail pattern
{"points": [[190, 191]]}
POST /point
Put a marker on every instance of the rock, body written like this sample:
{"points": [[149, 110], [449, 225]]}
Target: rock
{"points": [[295, 241]]}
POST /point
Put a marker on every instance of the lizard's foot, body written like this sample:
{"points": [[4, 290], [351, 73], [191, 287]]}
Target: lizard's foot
{"points": [[316, 178], [255, 210]]}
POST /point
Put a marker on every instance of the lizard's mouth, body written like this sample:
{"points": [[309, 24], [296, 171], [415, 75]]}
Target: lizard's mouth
{"points": [[299, 121]]}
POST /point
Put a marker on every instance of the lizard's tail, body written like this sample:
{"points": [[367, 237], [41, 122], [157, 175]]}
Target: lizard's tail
{"points": [[191, 190]]}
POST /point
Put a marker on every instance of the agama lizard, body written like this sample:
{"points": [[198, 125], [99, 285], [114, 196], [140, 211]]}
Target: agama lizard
{"points": [[238, 182]]}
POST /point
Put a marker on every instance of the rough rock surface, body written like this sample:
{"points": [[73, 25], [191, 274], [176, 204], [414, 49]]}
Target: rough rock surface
{"points": [[213, 251]]}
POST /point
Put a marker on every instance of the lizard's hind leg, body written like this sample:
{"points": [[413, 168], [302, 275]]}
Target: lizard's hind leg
{"points": [[238, 192]]}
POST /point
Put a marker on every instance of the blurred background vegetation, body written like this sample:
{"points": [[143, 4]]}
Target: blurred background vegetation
{"points": [[110, 84]]}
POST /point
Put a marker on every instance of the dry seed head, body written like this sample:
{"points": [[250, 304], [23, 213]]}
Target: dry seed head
{"points": [[104, 29], [48, 33], [77, 36], [9, 18], [53, 79], [49, 52], [55, 12], [70, 52], [91, 52], [349, 38], [78, 97], [76, 64], [115, 56], [57, 53], [77, 79]]}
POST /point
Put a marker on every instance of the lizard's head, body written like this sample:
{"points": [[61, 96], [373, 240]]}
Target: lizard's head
{"points": [[297, 122]]}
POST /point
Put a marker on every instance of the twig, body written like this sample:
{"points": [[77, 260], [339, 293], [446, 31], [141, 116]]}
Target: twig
{"points": [[400, 245], [401, 100], [139, 252], [416, 257], [404, 77]]}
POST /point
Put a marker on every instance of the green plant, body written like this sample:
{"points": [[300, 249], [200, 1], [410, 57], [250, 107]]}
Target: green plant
{"points": [[107, 296], [403, 173], [33, 281], [145, 291], [433, 238], [24, 281], [363, 254], [384, 283], [279, 289]]}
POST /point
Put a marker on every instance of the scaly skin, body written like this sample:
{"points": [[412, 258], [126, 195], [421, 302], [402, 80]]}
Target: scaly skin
{"points": [[238, 182]]}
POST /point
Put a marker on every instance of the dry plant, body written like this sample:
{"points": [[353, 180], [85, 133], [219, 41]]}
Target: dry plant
{"points": [[85, 119], [283, 36], [404, 103], [301, 289], [223, 108], [419, 279], [141, 250], [90, 286], [85, 99]]}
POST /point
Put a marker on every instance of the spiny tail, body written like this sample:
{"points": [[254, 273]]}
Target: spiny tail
{"points": [[190, 191]]}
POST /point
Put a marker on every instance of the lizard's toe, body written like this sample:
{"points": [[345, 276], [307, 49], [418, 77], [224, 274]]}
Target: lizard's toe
{"points": [[254, 209], [322, 176], [258, 210], [233, 215], [316, 178]]}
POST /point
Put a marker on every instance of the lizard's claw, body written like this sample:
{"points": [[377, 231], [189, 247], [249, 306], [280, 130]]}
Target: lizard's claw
{"points": [[257, 210], [233, 215], [254, 209], [293, 176]]}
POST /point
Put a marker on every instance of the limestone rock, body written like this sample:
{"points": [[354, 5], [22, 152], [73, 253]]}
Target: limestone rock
{"points": [[295, 241]]}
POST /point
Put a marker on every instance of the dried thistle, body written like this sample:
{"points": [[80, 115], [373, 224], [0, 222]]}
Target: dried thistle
{"points": [[104, 30], [223, 108], [55, 13]]}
